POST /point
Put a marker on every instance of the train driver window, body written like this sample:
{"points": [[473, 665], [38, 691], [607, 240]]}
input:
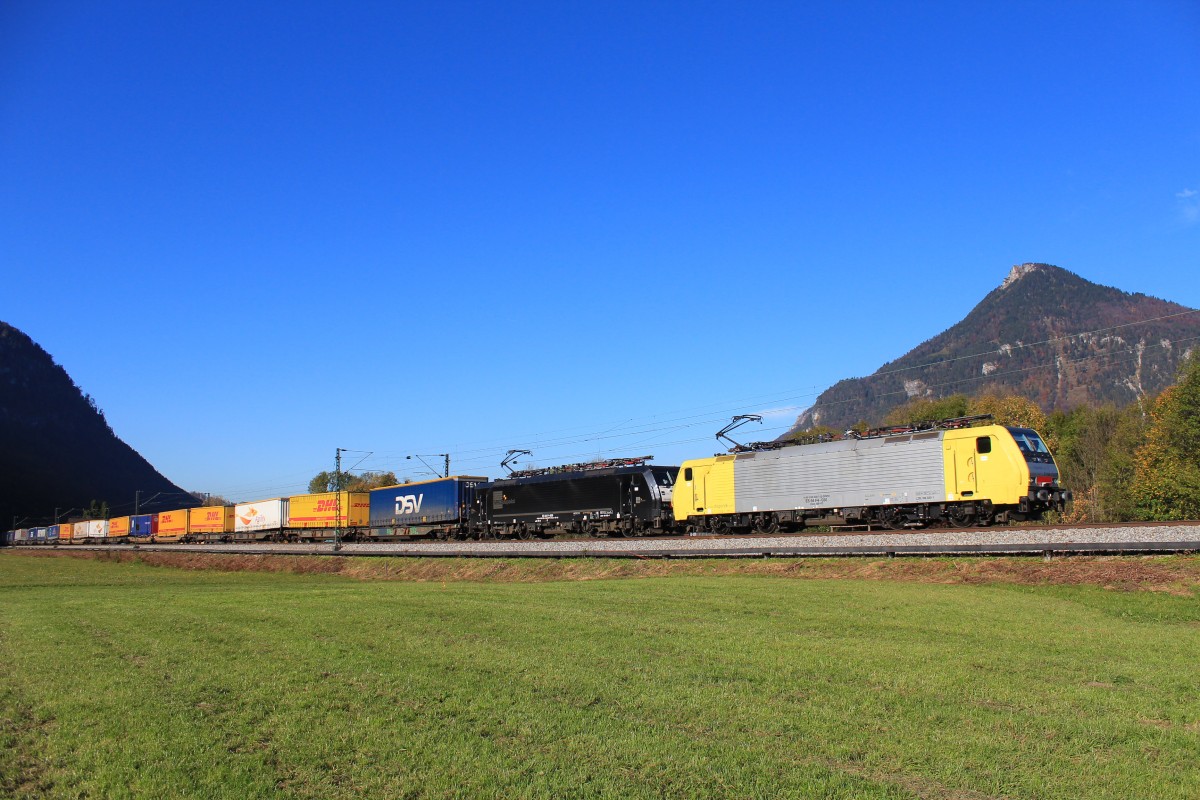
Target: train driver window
{"points": [[687, 474], [983, 444]]}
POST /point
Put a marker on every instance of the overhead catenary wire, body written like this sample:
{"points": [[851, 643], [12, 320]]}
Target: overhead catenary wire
{"points": [[487, 453]]}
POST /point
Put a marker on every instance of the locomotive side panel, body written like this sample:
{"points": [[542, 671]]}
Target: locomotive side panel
{"points": [[898, 470]]}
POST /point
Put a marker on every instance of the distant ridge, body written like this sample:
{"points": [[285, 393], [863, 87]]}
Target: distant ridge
{"points": [[57, 450], [1044, 333]]}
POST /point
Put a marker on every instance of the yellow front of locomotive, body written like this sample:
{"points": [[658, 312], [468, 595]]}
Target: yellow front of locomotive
{"points": [[1007, 469]]}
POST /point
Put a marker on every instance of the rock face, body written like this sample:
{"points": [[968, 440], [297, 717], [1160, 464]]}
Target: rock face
{"points": [[57, 450], [1044, 333]]}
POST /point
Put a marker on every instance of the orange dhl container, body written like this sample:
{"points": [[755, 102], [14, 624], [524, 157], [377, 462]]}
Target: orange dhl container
{"points": [[323, 511], [208, 520], [172, 524], [118, 528]]}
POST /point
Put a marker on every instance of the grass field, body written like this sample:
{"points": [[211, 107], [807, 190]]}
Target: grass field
{"points": [[133, 680]]}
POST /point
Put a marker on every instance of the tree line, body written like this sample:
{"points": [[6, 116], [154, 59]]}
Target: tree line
{"points": [[1139, 462]]}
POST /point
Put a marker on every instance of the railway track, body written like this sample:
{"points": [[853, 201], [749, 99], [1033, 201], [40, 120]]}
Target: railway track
{"points": [[1046, 541]]}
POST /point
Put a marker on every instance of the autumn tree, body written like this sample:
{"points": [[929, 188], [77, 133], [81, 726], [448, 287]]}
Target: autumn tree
{"points": [[1095, 458], [920, 409], [350, 481], [1166, 480]]}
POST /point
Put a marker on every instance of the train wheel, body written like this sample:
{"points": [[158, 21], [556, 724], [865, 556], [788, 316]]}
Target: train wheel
{"points": [[961, 518], [767, 523], [892, 519], [718, 525]]}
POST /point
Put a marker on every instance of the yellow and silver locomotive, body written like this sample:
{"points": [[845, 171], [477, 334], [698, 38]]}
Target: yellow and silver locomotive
{"points": [[952, 471]]}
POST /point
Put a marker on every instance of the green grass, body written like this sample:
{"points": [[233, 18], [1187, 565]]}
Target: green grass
{"points": [[125, 680]]}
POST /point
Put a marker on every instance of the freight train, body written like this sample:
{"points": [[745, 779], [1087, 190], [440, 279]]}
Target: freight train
{"points": [[958, 472]]}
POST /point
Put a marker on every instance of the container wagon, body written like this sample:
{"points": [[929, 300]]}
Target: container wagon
{"points": [[438, 509], [318, 516], [210, 524], [264, 520], [143, 527], [172, 526], [118, 529]]}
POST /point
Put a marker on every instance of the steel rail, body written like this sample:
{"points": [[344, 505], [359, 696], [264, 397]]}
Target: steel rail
{"points": [[535, 550]]}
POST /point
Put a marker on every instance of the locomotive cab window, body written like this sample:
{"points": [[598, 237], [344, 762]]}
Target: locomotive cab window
{"points": [[687, 474], [983, 444]]}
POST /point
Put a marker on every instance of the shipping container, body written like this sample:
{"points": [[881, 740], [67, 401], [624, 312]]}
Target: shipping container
{"points": [[429, 508], [210, 522], [329, 510], [143, 526], [79, 532], [22, 535], [66, 532], [52, 533], [37, 534], [118, 528], [9, 536], [263, 516], [97, 529], [172, 525]]}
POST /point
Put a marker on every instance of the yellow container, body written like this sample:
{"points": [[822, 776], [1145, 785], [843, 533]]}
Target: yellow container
{"points": [[323, 511], [118, 527], [209, 520], [172, 524]]}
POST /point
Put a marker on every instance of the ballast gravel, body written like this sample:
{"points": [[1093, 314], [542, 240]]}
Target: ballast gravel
{"points": [[993, 539]]}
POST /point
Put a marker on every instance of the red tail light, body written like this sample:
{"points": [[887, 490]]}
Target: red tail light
{"points": [[1044, 480]]}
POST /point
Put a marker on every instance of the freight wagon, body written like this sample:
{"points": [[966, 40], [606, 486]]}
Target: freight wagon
{"points": [[437, 509], [172, 526], [317, 516], [79, 532], [143, 526], [118, 529], [261, 520], [210, 524]]}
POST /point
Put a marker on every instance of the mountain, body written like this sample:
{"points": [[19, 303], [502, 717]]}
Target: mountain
{"points": [[1044, 333], [57, 450]]}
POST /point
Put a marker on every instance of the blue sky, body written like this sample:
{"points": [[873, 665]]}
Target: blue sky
{"points": [[258, 232]]}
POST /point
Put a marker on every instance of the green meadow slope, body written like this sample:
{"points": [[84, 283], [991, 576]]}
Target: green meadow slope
{"points": [[131, 680]]}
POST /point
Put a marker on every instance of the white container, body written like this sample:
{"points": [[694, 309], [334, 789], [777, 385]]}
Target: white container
{"points": [[262, 515]]}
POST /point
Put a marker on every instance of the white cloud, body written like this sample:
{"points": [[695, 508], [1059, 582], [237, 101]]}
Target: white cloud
{"points": [[1186, 193]]}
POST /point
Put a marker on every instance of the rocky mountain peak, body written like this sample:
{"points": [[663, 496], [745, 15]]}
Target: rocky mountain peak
{"points": [[1044, 333]]}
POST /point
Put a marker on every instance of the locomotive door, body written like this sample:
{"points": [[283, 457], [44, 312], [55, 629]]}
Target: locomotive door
{"points": [[964, 467]]}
